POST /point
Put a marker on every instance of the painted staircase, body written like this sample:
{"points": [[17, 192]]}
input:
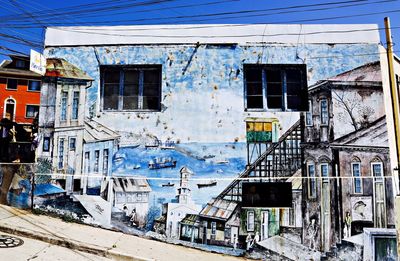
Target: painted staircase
{"points": [[280, 161]]}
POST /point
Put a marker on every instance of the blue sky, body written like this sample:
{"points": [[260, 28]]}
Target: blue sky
{"points": [[39, 14]]}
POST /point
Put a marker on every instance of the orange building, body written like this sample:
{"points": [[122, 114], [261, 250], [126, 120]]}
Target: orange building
{"points": [[19, 90]]}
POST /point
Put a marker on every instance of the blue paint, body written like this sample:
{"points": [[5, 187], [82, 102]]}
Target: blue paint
{"points": [[47, 189]]}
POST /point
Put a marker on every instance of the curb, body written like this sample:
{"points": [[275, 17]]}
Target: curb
{"points": [[71, 244]]}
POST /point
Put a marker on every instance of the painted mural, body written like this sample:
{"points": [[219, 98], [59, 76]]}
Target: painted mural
{"points": [[157, 140]]}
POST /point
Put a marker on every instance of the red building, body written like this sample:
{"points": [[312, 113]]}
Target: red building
{"points": [[19, 90]]}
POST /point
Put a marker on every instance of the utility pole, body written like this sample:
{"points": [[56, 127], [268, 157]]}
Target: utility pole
{"points": [[393, 90], [394, 109]]}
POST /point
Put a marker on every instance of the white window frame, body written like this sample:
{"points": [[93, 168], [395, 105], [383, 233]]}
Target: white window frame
{"points": [[69, 143], [106, 155], [96, 161], [355, 177], [10, 100], [324, 179], [250, 220]]}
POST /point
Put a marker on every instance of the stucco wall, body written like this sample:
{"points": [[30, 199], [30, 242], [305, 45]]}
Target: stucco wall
{"points": [[202, 87]]}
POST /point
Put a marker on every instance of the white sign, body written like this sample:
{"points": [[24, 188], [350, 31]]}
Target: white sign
{"points": [[38, 63], [361, 208]]}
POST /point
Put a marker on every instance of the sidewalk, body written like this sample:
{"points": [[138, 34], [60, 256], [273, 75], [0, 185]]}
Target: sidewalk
{"points": [[97, 241]]}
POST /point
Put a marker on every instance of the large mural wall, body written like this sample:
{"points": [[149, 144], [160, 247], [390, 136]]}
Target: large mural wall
{"points": [[171, 163]]}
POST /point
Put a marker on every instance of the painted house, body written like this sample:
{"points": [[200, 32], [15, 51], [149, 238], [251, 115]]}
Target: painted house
{"points": [[99, 145], [61, 121], [175, 211], [132, 193], [346, 137]]}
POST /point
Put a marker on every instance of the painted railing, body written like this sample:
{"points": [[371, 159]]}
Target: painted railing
{"points": [[281, 159]]}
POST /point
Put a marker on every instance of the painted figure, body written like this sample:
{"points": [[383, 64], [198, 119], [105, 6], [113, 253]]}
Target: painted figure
{"points": [[234, 242], [249, 239], [133, 217], [347, 225]]}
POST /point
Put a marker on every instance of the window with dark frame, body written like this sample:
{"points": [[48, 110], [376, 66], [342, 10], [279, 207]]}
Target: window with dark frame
{"points": [[75, 105], [34, 86], [61, 153], [96, 161], [324, 112], [31, 111], [64, 100], [131, 88], [312, 182], [105, 161], [357, 182], [72, 143], [12, 84], [276, 87], [309, 121]]}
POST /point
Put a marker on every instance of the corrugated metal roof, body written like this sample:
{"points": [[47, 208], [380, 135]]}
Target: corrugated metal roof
{"points": [[190, 220], [95, 131], [219, 208], [58, 67], [131, 184]]}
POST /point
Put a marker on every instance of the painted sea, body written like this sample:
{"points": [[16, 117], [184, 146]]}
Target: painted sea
{"points": [[207, 161]]}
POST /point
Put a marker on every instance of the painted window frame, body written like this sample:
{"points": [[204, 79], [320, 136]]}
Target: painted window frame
{"points": [[64, 107], [141, 68], [312, 181], [283, 69], [324, 114], [16, 86], [61, 144], [75, 105], [87, 162], [309, 116], [29, 85], [325, 179], [213, 227], [46, 144], [354, 178], [96, 161], [72, 148], [250, 226], [26, 110], [105, 161], [380, 180]]}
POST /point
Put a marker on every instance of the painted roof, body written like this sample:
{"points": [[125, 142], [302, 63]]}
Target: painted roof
{"points": [[190, 220], [47, 189], [131, 184], [57, 67], [94, 131], [370, 72], [374, 135], [219, 208], [212, 33]]}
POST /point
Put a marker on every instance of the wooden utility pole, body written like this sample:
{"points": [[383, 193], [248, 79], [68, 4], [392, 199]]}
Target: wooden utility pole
{"points": [[393, 90]]}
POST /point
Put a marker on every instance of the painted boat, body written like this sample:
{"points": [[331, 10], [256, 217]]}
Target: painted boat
{"points": [[211, 183], [221, 162], [160, 163], [169, 184]]}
